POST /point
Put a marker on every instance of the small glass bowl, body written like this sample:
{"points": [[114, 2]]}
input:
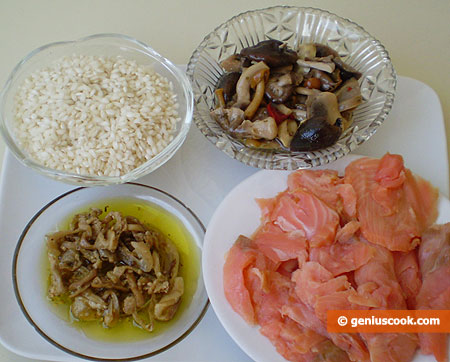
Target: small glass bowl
{"points": [[99, 45], [294, 25], [30, 274]]}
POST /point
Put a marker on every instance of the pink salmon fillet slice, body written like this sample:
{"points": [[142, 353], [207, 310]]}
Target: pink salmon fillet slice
{"points": [[394, 207]]}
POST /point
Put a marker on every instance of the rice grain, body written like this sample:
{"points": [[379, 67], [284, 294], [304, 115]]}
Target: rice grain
{"points": [[97, 116]]}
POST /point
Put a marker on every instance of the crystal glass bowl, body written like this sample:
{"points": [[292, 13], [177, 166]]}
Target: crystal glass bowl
{"points": [[30, 272], [99, 45], [294, 25]]}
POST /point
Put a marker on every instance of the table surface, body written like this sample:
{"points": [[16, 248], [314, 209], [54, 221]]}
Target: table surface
{"points": [[416, 33]]}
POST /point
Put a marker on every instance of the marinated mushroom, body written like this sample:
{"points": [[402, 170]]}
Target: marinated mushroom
{"points": [[286, 132], [347, 71], [274, 53], [113, 267], [314, 134], [349, 95], [244, 83], [324, 105], [111, 314], [324, 66], [167, 306], [327, 84], [279, 87], [228, 82], [298, 100], [232, 63], [322, 51], [263, 129]]}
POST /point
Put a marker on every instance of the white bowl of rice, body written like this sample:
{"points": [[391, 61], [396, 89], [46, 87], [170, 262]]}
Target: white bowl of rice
{"points": [[101, 110]]}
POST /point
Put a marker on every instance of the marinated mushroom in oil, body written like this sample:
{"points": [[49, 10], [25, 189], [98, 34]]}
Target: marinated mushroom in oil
{"points": [[114, 267], [273, 97]]}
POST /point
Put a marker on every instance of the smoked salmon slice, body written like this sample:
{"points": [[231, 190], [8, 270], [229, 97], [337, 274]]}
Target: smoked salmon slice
{"points": [[342, 257], [379, 274], [408, 275], [355, 242], [327, 186], [270, 292], [393, 206], [304, 212], [316, 288], [279, 245], [434, 261], [240, 256]]}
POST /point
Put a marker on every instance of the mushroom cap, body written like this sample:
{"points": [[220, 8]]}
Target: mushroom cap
{"points": [[324, 104], [271, 53], [314, 134], [228, 82]]}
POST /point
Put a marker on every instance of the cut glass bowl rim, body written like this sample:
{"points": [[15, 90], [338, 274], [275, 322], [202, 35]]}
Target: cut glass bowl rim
{"points": [[281, 159]]}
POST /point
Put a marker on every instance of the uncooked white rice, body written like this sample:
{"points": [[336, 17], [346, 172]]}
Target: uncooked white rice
{"points": [[92, 115]]}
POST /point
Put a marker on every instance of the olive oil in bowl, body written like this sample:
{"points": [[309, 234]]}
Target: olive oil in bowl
{"points": [[154, 217]]}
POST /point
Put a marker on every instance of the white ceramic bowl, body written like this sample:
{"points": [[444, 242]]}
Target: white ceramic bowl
{"points": [[30, 281]]}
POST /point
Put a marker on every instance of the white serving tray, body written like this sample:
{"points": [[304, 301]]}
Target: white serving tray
{"points": [[200, 175]]}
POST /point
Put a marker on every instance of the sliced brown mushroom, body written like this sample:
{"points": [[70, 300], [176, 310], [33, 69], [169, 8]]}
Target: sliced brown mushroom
{"points": [[307, 91], [272, 52], [106, 283], [94, 301], [322, 128], [263, 129], [228, 118], [108, 256], [286, 132], [323, 50], [306, 51], [93, 256], [232, 64], [228, 83], [347, 71], [168, 304], [69, 260], [244, 83], [156, 264], [57, 286], [109, 242], [83, 283], [279, 87], [131, 281], [314, 134], [325, 105], [327, 84], [171, 263], [126, 256], [157, 286], [256, 101], [129, 304], [135, 227], [81, 310], [324, 66], [112, 312], [145, 259], [349, 95], [147, 325], [82, 225]]}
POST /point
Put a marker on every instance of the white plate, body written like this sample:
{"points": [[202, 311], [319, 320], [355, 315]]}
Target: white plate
{"points": [[239, 214], [202, 185]]}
